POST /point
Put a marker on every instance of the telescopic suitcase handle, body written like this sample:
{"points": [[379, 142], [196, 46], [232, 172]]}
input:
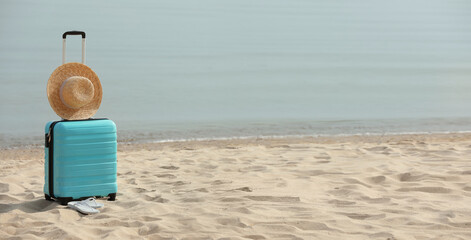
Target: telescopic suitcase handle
{"points": [[83, 44]]}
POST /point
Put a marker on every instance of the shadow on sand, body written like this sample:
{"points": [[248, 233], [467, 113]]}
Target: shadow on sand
{"points": [[34, 206]]}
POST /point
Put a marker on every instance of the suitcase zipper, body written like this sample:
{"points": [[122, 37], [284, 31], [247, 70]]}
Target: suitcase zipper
{"points": [[50, 145]]}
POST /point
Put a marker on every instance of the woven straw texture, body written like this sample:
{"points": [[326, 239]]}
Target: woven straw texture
{"points": [[54, 84]]}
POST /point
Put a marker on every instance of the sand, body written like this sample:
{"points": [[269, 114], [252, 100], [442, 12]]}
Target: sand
{"points": [[361, 187]]}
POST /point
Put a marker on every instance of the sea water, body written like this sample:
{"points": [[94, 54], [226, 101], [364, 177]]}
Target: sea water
{"points": [[186, 69]]}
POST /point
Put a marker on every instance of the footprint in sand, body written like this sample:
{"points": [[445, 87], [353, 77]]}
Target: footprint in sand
{"points": [[376, 179], [148, 229], [323, 156], [355, 181], [375, 200], [409, 177], [203, 190], [273, 198], [341, 203], [228, 160], [363, 216], [192, 200], [243, 210], [119, 223], [187, 161], [309, 226], [131, 181], [138, 190], [382, 235], [232, 199], [169, 176], [128, 204], [253, 169], [314, 173], [255, 237], [340, 192], [150, 219], [426, 189], [177, 183], [378, 148], [244, 189], [231, 222], [208, 166], [220, 182], [170, 167], [155, 199], [32, 195]]}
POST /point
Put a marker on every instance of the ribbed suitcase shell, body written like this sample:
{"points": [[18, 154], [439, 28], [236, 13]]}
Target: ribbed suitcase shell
{"points": [[84, 159]]}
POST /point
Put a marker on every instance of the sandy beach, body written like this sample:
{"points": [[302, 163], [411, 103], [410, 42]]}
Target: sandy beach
{"points": [[357, 187]]}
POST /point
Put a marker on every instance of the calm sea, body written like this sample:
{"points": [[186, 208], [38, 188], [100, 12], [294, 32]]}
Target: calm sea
{"points": [[218, 69]]}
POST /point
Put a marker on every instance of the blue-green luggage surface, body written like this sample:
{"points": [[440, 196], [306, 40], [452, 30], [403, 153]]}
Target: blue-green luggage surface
{"points": [[84, 159]]}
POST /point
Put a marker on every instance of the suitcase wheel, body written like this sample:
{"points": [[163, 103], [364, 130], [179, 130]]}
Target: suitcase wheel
{"points": [[47, 197], [64, 201], [112, 197]]}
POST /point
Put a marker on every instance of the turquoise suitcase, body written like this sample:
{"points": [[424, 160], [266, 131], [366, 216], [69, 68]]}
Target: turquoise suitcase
{"points": [[80, 160]]}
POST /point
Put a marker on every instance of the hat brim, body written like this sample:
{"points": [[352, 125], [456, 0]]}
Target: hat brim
{"points": [[54, 85]]}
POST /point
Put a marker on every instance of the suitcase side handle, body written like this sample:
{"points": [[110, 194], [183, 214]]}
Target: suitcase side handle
{"points": [[64, 36]]}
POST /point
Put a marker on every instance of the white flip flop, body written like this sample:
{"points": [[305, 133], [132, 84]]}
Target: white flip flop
{"points": [[92, 203], [82, 207]]}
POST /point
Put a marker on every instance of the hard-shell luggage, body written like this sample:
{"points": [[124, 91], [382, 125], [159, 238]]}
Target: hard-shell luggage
{"points": [[80, 159], [80, 153]]}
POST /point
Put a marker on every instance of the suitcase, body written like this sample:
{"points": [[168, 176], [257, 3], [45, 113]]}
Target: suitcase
{"points": [[80, 160]]}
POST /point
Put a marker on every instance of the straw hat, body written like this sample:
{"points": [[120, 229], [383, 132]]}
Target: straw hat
{"points": [[74, 91]]}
